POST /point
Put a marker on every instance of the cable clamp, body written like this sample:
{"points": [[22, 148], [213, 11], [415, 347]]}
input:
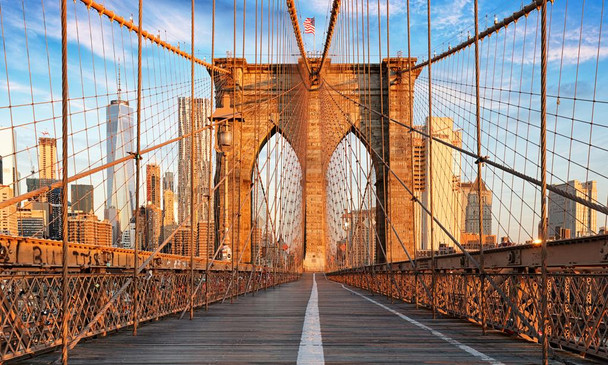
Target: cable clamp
{"points": [[136, 156], [481, 159]]}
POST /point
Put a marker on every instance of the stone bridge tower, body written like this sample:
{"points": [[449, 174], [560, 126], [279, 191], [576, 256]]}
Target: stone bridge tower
{"points": [[318, 120]]}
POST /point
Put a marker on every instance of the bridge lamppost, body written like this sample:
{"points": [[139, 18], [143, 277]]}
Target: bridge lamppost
{"points": [[348, 241], [224, 117]]}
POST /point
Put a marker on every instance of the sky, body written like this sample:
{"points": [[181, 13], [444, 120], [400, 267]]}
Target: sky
{"points": [[97, 50]]}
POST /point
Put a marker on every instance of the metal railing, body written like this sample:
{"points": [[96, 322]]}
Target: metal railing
{"points": [[30, 304], [577, 302]]}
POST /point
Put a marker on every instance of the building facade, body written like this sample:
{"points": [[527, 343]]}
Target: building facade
{"points": [[168, 208], [47, 157], [203, 145], [86, 228], [205, 240], [566, 214], [153, 186], [153, 221], [35, 184], [8, 160], [8, 215], [82, 198], [31, 222], [256, 244], [470, 209], [168, 181], [120, 179], [361, 237], [181, 241], [55, 223], [446, 165]]}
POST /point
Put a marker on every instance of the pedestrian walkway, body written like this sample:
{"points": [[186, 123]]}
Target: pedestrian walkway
{"points": [[304, 323]]}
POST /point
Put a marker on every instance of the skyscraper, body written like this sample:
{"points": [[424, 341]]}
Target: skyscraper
{"points": [[470, 207], [120, 198], [256, 243], [153, 227], [128, 235], [203, 144], [470, 213], [55, 220], [169, 207], [8, 215], [82, 198], [168, 181], [47, 157], [168, 199], [35, 183], [205, 238], [153, 211], [181, 241], [419, 181], [360, 244], [566, 214], [8, 160], [446, 180], [153, 184]]}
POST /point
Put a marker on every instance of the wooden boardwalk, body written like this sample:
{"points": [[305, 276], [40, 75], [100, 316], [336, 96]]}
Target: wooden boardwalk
{"points": [[267, 328]]}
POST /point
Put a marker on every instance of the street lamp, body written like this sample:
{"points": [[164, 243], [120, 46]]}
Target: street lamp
{"points": [[224, 118]]}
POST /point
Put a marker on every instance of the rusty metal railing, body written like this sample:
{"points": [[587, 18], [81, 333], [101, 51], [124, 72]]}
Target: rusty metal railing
{"points": [[30, 304], [577, 302]]}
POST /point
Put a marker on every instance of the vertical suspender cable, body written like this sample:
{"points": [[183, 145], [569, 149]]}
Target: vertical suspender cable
{"points": [[238, 228], [137, 177], [543, 173], [254, 211], [482, 299], [64, 192], [388, 113], [411, 118], [193, 156], [234, 81], [430, 164], [387, 257], [207, 266]]}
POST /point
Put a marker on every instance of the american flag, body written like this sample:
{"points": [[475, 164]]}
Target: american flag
{"points": [[309, 25]]}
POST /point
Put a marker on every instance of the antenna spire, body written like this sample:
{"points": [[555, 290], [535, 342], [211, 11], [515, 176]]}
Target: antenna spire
{"points": [[119, 89]]}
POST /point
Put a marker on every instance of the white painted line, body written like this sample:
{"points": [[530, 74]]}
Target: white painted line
{"points": [[311, 343], [450, 340]]}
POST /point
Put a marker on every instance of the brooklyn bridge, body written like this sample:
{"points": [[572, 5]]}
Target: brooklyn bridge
{"points": [[189, 182]]}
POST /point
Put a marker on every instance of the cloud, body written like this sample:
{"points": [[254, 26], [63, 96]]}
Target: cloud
{"points": [[21, 88], [450, 15], [575, 53]]}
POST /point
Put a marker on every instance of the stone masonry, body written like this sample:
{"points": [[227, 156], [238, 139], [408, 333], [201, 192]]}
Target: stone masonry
{"points": [[314, 119]]}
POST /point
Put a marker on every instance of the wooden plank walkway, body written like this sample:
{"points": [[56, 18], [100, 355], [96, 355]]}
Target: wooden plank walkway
{"points": [[267, 329]]}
